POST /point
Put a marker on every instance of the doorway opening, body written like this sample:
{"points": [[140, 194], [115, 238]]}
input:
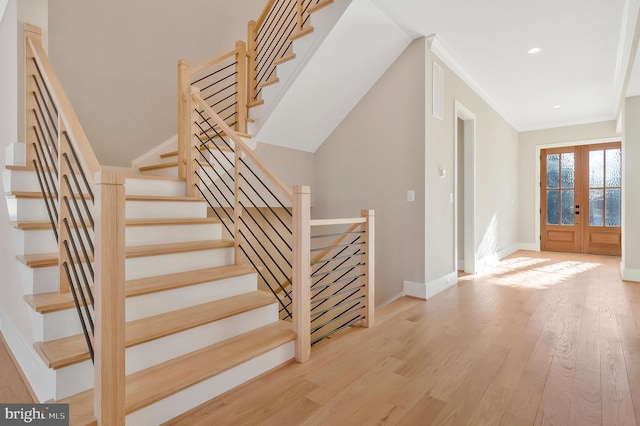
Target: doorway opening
{"points": [[580, 199], [464, 196]]}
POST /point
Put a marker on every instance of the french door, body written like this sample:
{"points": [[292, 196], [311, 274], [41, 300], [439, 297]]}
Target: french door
{"points": [[581, 189]]}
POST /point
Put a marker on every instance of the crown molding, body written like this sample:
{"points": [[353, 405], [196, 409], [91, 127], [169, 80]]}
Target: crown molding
{"points": [[444, 54]]}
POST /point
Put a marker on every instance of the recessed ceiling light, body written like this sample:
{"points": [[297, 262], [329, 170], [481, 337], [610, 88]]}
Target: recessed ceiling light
{"points": [[557, 106], [534, 50]]}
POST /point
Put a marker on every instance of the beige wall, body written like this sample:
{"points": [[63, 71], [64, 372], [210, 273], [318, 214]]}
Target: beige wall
{"points": [[117, 60], [370, 161], [631, 185], [528, 164], [292, 166], [496, 180]]}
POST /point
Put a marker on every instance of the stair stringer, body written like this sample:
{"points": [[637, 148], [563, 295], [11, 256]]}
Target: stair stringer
{"points": [[354, 52]]}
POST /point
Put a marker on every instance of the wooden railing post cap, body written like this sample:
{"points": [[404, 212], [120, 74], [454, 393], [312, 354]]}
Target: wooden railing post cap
{"points": [[241, 44], [302, 189], [107, 177], [35, 30], [367, 212], [184, 63]]}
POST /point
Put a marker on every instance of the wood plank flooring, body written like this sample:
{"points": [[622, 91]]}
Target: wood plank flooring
{"points": [[545, 338], [12, 387]]}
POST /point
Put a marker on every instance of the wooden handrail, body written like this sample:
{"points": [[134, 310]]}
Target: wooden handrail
{"points": [[242, 146], [66, 111], [264, 14], [74, 150], [212, 62], [345, 221]]}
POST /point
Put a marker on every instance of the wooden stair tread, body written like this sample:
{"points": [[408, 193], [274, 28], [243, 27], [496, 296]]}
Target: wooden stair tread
{"points": [[284, 59], [255, 103], [162, 198], [159, 249], [203, 149], [31, 225], [156, 383], [152, 177], [34, 195], [41, 260], [158, 166], [20, 168], [70, 350], [302, 33], [147, 285], [172, 221], [38, 225], [51, 302], [269, 82]]}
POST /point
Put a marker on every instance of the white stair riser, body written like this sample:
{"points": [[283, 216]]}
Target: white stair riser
{"points": [[36, 241], [20, 180], [161, 350], [167, 172], [15, 154], [150, 266], [193, 396], [158, 187], [65, 323], [54, 325], [78, 377], [39, 280], [24, 209], [167, 234], [74, 379], [160, 302], [164, 209]]}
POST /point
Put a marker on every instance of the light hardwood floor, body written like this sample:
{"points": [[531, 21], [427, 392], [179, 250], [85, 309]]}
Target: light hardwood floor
{"points": [[546, 338], [12, 387]]}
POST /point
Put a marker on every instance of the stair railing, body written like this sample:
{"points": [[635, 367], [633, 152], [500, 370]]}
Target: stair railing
{"points": [[85, 205], [270, 224], [271, 37]]}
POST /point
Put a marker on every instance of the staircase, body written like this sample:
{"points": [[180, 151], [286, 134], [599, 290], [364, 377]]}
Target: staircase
{"points": [[191, 312], [152, 292]]}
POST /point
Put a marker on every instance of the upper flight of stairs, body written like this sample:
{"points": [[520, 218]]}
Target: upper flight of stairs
{"points": [[196, 323]]}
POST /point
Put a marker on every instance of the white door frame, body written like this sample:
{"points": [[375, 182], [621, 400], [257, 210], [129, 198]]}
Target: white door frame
{"points": [[469, 186], [537, 213]]}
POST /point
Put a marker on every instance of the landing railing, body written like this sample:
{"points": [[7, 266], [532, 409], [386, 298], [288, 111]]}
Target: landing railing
{"points": [[85, 205], [342, 274], [270, 39], [271, 227]]}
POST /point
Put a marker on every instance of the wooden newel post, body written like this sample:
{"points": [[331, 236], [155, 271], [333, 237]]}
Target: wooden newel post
{"points": [[184, 115], [109, 296], [241, 77], [189, 151], [369, 267], [302, 271], [251, 61]]}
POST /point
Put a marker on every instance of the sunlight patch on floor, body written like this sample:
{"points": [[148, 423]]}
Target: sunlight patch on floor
{"points": [[539, 277]]}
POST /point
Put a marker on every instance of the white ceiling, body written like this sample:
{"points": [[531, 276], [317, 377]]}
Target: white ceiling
{"points": [[582, 66]]}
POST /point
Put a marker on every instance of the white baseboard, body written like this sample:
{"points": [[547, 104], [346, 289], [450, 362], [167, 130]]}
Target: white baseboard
{"points": [[392, 299], [153, 154], [629, 274], [41, 379], [430, 289], [528, 246]]}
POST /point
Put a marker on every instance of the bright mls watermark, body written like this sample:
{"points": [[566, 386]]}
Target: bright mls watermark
{"points": [[34, 414]]}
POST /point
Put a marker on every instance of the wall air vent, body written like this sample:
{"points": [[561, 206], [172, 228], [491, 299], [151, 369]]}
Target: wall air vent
{"points": [[438, 91]]}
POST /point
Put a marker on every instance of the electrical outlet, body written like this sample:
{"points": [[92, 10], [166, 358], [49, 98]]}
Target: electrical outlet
{"points": [[411, 195]]}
